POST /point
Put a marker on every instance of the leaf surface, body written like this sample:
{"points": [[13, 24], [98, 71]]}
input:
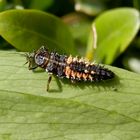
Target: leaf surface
{"points": [[99, 111]]}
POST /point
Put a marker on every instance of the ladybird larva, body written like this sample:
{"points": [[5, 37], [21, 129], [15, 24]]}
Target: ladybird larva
{"points": [[63, 66]]}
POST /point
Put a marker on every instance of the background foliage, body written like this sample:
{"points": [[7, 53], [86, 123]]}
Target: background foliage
{"points": [[117, 30], [107, 110]]}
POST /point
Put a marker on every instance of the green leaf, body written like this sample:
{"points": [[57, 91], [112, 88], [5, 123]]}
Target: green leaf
{"points": [[41, 5], [3, 4], [108, 110], [115, 30], [27, 30]]}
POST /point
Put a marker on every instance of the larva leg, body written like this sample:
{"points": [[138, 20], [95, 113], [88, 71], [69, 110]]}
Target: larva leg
{"points": [[49, 81]]}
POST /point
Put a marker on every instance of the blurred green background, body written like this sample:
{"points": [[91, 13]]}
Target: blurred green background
{"points": [[80, 15]]}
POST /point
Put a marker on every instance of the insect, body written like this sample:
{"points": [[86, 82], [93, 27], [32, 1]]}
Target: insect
{"points": [[63, 66]]}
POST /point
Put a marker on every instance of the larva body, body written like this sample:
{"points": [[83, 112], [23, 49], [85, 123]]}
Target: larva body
{"points": [[73, 68]]}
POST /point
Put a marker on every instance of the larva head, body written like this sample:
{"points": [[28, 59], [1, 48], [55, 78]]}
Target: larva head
{"points": [[41, 57], [38, 58]]}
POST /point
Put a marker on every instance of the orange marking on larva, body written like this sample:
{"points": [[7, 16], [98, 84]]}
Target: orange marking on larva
{"points": [[85, 76], [87, 64], [68, 72], [79, 75], [86, 71], [73, 74], [92, 72], [69, 60], [81, 60], [90, 77], [75, 59]]}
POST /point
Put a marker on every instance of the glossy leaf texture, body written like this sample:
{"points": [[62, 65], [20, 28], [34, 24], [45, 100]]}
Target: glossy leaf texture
{"points": [[106, 110], [115, 30], [42, 5], [28, 30]]}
